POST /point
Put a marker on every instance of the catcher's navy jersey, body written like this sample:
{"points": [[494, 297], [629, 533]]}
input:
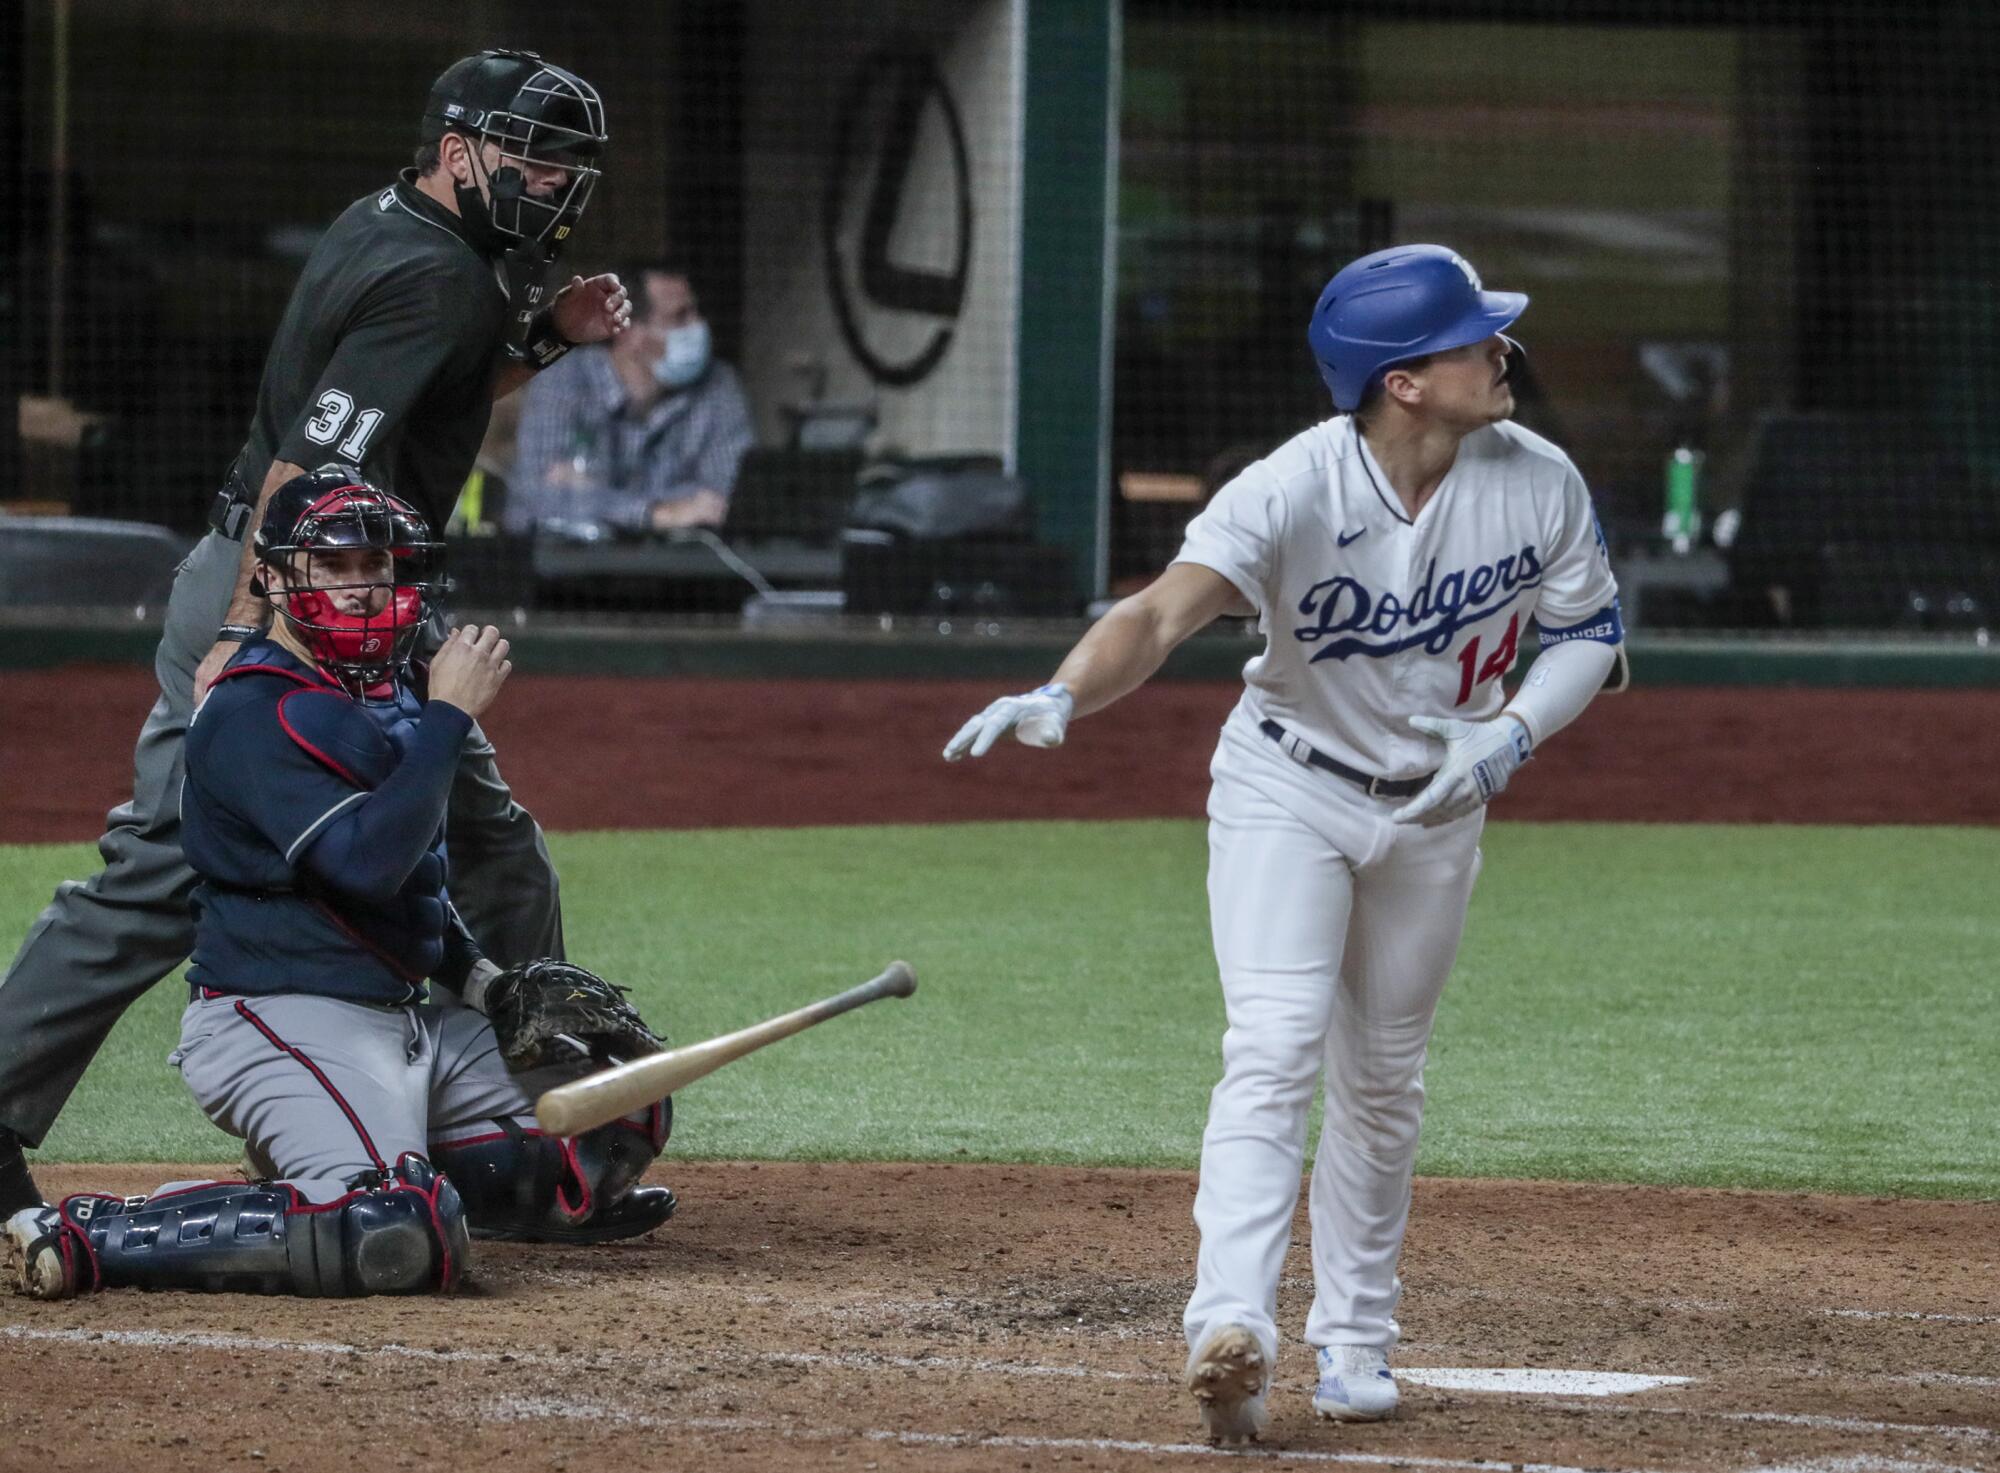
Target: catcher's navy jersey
{"points": [[316, 824], [386, 355]]}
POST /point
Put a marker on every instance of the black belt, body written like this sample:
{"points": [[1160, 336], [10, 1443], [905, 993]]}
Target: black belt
{"points": [[229, 513], [1375, 787], [199, 993]]}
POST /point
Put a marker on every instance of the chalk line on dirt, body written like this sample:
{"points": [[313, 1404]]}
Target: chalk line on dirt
{"points": [[229, 1341], [568, 1409]]}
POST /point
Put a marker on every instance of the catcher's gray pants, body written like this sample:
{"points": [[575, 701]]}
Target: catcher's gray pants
{"points": [[103, 941], [322, 1090]]}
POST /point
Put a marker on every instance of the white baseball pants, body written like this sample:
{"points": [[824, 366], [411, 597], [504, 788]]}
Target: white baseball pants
{"points": [[1334, 932]]}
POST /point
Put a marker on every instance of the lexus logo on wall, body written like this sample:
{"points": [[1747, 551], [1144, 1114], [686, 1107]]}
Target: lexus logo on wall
{"points": [[897, 217]]}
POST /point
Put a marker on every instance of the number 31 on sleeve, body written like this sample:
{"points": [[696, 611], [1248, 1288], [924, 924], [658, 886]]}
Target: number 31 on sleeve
{"points": [[334, 408]]}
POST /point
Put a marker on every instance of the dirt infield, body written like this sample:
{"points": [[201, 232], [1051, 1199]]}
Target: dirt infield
{"points": [[605, 752], [888, 1316]]}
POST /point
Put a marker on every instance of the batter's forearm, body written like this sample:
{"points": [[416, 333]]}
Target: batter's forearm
{"points": [[246, 606], [1560, 684], [1124, 648], [1116, 656]]}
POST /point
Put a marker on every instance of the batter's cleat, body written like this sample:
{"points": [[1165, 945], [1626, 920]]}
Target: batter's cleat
{"points": [[638, 1212], [1355, 1384], [31, 1257], [1229, 1374], [17, 1187]]}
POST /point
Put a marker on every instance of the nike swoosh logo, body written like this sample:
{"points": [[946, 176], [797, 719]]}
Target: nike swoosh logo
{"points": [[1346, 537]]}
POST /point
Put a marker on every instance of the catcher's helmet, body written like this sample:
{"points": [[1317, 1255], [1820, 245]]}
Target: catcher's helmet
{"points": [[535, 113], [1396, 304], [333, 509]]}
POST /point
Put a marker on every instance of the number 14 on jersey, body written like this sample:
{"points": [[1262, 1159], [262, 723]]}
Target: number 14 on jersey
{"points": [[1472, 674]]}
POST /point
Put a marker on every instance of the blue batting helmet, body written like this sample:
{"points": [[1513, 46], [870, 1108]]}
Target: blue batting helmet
{"points": [[1396, 304]]}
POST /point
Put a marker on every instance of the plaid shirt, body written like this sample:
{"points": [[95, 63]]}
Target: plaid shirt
{"points": [[611, 463]]}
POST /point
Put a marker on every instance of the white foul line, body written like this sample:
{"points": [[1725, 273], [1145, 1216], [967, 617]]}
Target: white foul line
{"points": [[219, 1340], [1534, 1381], [1790, 1419], [540, 1407], [1862, 1463], [1910, 1314], [1203, 1450]]}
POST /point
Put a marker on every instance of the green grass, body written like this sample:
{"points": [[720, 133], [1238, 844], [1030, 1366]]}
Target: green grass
{"points": [[1772, 1007]]}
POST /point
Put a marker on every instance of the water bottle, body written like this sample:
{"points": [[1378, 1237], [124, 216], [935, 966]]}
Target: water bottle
{"points": [[1682, 524]]}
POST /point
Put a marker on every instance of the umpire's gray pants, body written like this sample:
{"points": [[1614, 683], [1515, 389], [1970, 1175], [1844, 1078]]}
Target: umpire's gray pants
{"points": [[103, 941]]}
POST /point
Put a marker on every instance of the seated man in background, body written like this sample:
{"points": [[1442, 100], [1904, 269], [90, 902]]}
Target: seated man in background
{"points": [[644, 434]]}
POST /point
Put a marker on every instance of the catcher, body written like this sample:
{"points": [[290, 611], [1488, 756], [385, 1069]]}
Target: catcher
{"points": [[387, 1122]]}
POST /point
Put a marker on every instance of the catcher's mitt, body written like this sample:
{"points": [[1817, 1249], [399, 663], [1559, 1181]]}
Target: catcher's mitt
{"points": [[531, 1004]]}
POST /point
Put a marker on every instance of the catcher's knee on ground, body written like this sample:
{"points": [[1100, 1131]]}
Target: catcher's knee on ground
{"points": [[405, 1234], [520, 1183]]}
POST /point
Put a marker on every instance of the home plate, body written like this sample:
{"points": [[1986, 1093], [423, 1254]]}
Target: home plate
{"points": [[1526, 1382]]}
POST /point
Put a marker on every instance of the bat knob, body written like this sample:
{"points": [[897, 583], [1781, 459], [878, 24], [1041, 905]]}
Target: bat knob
{"points": [[900, 980]]}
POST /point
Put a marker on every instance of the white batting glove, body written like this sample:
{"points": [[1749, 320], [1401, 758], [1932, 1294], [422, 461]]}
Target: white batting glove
{"points": [[1037, 719], [1479, 757]]}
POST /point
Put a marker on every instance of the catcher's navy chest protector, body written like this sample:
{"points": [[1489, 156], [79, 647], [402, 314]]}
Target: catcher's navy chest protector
{"points": [[279, 762]]}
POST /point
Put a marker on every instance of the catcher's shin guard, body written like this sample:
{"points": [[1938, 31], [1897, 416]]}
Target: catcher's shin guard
{"points": [[404, 1234], [519, 1183]]}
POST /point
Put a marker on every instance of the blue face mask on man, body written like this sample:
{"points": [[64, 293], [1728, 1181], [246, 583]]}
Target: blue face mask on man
{"points": [[685, 357]]}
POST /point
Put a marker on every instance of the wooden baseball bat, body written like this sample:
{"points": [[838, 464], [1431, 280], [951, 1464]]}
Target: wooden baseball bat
{"points": [[585, 1103]]}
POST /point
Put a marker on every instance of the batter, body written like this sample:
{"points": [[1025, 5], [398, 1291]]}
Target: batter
{"points": [[1395, 557]]}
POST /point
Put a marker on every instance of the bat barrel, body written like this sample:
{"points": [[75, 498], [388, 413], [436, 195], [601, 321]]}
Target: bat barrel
{"points": [[585, 1103]]}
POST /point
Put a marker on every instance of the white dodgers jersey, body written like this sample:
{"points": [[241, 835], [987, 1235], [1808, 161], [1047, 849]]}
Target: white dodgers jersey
{"points": [[1370, 618]]}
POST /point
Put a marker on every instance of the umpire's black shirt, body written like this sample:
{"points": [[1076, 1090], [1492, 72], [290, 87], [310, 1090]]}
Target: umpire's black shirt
{"points": [[386, 355]]}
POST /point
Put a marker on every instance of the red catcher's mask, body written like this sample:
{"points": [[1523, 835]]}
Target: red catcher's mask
{"points": [[361, 649]]}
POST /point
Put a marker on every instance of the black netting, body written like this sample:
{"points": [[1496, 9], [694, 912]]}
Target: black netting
{"points": [[1759, 239], [1756, 238]]}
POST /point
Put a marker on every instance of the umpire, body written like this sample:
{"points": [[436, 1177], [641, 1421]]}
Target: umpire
{"points": [[420, 306]]}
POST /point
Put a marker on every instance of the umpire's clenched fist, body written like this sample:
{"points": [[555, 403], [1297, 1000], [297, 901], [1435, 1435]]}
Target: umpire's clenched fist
{"points": [[469, 668], [593, 309]]}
